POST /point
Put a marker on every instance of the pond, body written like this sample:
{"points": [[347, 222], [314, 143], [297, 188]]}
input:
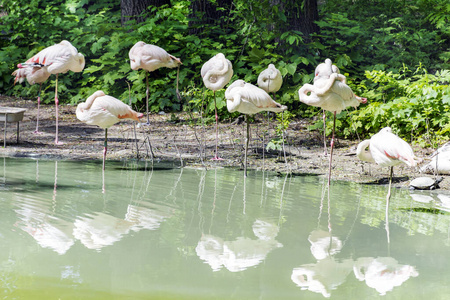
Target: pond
{"points": [[136, 231]]}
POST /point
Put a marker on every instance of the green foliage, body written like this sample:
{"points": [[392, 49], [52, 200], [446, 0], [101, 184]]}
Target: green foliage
{"points": [[414, 103]]}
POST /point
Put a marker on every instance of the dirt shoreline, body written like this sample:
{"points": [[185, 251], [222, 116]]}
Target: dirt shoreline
{"points": [[180, 141]]}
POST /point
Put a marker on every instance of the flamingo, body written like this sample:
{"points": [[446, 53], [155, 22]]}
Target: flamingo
{"points": [[270, 79], [440, 161], [386, 149], [104, 111], [249, 99], [56, 59], [329, 92], [33, 75], [216, 74], [150, 58]]}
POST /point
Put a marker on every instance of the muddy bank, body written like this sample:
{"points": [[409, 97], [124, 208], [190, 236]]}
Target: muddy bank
{"points": [[175, 137]]}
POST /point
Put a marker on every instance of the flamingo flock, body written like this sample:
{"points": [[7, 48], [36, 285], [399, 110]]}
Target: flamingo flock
{"points": [[329, 91]]}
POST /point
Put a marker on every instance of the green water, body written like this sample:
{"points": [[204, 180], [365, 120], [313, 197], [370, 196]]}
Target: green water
{"points": [[67, 231]]}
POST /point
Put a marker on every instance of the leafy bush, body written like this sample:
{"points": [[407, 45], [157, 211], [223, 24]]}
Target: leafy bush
{"points": [[415, 104]]}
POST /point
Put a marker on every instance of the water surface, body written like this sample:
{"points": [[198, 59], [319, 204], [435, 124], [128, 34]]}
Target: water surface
{"points": [[67, 231]]}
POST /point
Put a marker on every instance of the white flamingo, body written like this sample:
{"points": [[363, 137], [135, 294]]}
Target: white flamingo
{"points": [[216, 74], [150, 58], [249, 99], [386, 149], [104, 111], [329, 92], [270, 79], [56, 59]]}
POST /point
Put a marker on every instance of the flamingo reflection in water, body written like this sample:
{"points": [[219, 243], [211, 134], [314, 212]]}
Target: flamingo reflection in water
{"points": [[241, 254], [146, 218], [382, 273], [38, 219], [98, 230], [328, 273]]}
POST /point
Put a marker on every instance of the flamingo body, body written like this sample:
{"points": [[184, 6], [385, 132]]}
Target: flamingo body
{"points": [[330, 90], [440, 161], [150, 57], [104, 111], [270, 79], [58, 58], [31, 74], [249, 99], [387, 150], [216, 72]]}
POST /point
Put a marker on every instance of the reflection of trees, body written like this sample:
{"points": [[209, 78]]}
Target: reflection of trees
{"points": [[242, 253], [382, 273]]}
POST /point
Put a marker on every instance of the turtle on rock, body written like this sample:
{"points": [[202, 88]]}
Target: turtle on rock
{"points": [[425, 183]]}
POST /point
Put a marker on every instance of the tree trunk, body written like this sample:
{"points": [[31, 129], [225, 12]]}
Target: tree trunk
{"points": [[301, 20], [204, 12], [132, 9]]}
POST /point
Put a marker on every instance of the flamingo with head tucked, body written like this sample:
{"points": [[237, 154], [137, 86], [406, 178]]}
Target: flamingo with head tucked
{"points": [[270, 79], [104, 111], [150, 58], [386, 149], [216, 74], [56, 59], [249, 99], [32, 75], [329, 92]]}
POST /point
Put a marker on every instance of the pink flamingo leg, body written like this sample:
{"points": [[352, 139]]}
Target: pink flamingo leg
{"points": [[146, 100], [39, 103], [105, 147], [324, 133], [57, 113], [331, 149], [216, 157]]}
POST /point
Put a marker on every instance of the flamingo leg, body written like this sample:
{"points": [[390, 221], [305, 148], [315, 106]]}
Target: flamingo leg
{"points": [[216, 157], [57, 112], [247, 139], [105, 147], [331, 148], [39, 103], [324, 133], [146, 99]]}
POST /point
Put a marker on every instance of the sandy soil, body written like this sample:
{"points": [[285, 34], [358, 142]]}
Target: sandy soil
{"points": [[184, 142]]}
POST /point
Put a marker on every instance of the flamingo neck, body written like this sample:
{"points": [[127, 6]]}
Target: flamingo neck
{"points": [[362, 153]]}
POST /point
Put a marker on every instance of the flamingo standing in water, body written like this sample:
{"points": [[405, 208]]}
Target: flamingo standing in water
{"points": [[249, 99], [104, 111], [387, 150], [151, 57], [329, 92], [56, 59], [216, 74], [33, 75]]}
